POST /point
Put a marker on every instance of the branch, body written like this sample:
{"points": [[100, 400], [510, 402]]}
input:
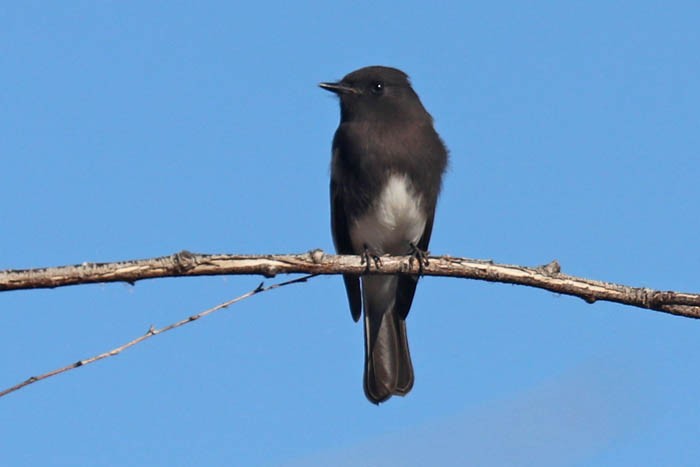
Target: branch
{"points": [[151, 332], [548, 277]]}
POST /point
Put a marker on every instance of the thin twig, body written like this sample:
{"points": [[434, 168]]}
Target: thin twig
{"points": [[151, 332]]}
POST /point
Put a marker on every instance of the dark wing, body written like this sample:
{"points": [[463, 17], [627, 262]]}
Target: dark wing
{"points": [[407, 284], [430, 176], [343, 245]]}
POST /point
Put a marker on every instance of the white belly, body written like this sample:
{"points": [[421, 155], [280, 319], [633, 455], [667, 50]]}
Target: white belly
{"points": [[393, 222]]}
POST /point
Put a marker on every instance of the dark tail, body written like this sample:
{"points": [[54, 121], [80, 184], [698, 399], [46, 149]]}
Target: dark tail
{"points": [[388, 368]]}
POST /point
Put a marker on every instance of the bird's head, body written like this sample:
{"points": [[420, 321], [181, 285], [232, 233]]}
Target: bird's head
{"points": [[376, 93]]}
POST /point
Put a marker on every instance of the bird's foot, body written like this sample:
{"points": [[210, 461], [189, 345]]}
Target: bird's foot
{"points": [[368, 256], [418, 255]]}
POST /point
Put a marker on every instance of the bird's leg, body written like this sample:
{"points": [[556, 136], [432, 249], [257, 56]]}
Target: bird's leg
{"points": [[420, 255], [367, 256]]}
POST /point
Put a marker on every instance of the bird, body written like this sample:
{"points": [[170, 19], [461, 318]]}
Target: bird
{"points": [[387, 167]]}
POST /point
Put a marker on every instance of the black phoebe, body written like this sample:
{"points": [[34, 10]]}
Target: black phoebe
{"points": [[386, 175]]}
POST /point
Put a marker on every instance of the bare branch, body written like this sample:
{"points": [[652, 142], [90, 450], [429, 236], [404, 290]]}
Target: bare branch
{"points": [[548, 277], [150, 333]]}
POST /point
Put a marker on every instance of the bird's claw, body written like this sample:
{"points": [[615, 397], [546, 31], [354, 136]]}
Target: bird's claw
{"points": [[367, 256], [418, 255]]}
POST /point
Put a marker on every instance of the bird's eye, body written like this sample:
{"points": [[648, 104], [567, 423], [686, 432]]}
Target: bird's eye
{"points": [[377, 87]]}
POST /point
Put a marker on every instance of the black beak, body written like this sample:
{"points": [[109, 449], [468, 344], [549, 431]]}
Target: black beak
{"points": [[338, 88]]}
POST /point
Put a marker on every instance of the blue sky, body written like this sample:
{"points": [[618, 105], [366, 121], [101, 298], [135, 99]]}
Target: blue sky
{"points": [[133, 130]]}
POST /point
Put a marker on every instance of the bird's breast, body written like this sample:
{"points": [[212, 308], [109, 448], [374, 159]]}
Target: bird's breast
{"points": [[394, 221]]}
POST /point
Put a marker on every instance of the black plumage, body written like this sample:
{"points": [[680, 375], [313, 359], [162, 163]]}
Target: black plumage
{"points": [[386, 175]]}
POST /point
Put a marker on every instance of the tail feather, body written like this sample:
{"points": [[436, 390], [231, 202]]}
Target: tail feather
{"points": [[405, 380], [388, 368]]}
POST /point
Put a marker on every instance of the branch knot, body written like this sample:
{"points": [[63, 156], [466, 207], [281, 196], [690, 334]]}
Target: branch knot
{"points": [[185, 261]]}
